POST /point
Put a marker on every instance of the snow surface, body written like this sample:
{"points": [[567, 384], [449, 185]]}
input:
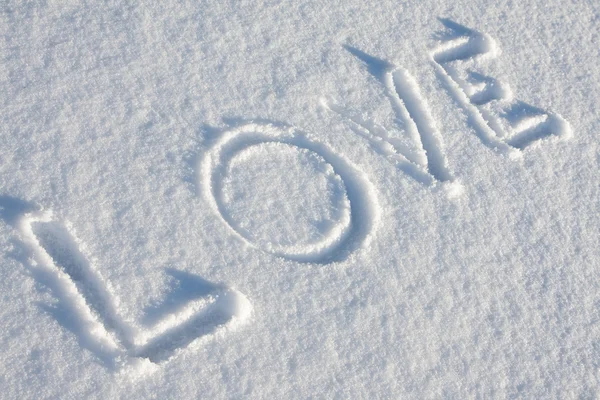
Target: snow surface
{"points": [[302, 199]]}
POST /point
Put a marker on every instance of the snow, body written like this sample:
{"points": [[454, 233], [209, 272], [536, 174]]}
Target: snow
{"points": [[299, 199]]}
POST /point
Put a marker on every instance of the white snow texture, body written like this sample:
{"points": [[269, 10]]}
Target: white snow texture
{"points": [[299, 199]]}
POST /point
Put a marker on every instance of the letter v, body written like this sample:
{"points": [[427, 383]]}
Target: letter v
{"points": [[410, 108]]}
